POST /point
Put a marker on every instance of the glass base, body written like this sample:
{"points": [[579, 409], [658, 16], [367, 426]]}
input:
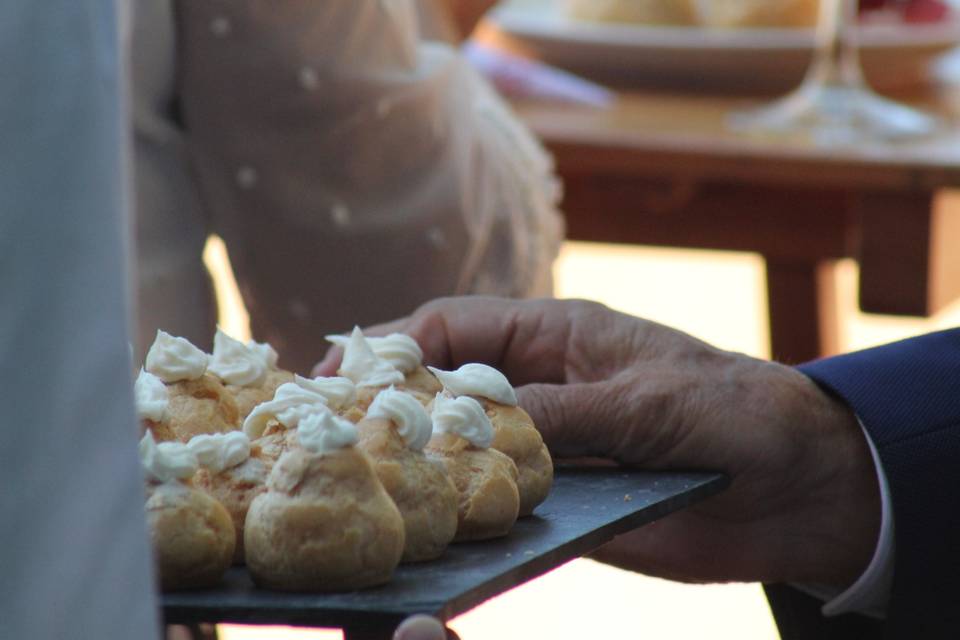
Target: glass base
{"points": [[831, 115]]}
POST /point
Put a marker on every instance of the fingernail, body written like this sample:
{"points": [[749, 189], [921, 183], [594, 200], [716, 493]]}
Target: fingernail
{"points": [[420, 627]]}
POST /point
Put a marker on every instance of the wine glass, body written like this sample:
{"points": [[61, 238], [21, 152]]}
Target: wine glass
{"points": [[834, 106]]}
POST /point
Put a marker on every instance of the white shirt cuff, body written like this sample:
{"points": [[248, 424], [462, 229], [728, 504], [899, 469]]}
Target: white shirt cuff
{"points": [[870, 593]]}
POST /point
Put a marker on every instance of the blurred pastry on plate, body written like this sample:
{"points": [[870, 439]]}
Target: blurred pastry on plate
{"points": [[756, 13], [393, 433], [232, 472], [514, 431], [325, 522], [249, 371], [196, 401], [486, 479], [654, 12], [191, 533], [707, 13]]}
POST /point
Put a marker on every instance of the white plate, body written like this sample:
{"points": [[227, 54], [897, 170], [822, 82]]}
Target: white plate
{"points": [[893, 54]]}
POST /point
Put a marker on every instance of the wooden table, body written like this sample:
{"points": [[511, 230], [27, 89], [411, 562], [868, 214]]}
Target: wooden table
{"points": [[660, 167]]}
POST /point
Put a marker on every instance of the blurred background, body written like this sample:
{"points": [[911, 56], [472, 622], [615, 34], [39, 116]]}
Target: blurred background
{"points": [[792, 249]]}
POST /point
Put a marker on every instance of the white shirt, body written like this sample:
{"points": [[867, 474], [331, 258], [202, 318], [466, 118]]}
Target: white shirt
{"points": [[870, 593]]}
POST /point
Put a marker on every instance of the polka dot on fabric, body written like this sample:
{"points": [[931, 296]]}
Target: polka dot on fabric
{"points": [[299, 310], [247, 177], [437, 238], [340, 214], [220, 26], [308, 78], [384, 107]]}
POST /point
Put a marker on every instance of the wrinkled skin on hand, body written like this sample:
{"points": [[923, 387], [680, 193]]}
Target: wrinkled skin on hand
{"points": [[803, 503]]}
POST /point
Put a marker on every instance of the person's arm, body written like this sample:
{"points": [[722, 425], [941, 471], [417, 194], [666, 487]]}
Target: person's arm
{"points": [[803, 505], [329, 139], [907, 395]]}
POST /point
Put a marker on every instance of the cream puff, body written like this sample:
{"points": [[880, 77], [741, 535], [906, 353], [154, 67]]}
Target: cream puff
{"points": [[232, 472], [486, 480], [393, 434], [272, 425], [340, 394], [325, 522], [196, 401], [515, 433], [192, 534], [376, 363], [249, 371]]}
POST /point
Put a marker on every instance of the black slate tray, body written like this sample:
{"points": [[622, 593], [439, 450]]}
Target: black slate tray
{"points": [[586, 508]]}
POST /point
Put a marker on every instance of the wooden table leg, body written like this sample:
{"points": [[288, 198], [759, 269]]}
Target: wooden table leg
{"points": [[802, 311]]}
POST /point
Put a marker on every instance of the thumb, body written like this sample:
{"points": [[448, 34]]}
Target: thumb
{"points": [[423, 627], [328, 366], [575, 420]]}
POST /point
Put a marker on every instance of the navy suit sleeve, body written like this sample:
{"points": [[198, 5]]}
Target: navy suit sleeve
{"points": [[907, 395]]}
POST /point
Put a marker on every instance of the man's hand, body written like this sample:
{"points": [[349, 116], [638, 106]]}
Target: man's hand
{"points": [[803, 505]]}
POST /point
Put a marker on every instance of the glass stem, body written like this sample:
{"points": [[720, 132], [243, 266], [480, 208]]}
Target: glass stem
{"points": [[836, 61]]}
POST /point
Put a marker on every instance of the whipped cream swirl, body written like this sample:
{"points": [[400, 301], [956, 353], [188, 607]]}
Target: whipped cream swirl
{"points": [[235, 363], [363, 366], [220, 451], [464, 417], [400, 350], [475, 379], [150, 397], [290, 404], [167, 461], [265, 352], [339, 392], [405, 411], [322, 432], [173, 359]]}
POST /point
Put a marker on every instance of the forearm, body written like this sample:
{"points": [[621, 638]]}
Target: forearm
{"points": [[402, 138]]}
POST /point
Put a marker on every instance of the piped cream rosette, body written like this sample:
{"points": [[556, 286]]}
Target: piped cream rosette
{"points": [[272, 424], [325, 522], [196, 400], [151, 397], [394, 433], [192, 534], [232, 472], [486, 479], [249, 371], [377, 363], [514, 431]]}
